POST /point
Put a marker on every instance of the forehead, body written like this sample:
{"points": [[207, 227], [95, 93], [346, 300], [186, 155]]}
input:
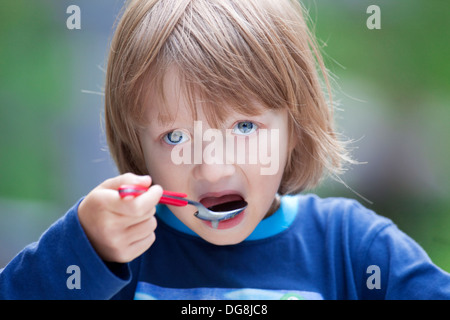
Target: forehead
{"points": [[227, 54], [173, 99]]}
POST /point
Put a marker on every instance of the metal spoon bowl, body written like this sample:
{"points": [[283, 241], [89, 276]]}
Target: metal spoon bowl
{"points": [[222, 211]]}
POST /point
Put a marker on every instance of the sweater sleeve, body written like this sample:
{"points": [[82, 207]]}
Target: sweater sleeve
{"points": [[405, 269], [62, 265]]}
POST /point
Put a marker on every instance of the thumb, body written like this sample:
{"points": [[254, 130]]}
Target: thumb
{"points": [[127, 178]]}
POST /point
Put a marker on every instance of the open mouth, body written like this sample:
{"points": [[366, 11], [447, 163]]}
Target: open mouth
{"points": [[224, 203]]}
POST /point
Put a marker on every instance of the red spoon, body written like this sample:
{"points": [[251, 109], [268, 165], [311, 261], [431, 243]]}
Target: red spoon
{"points": [[214, 214]]}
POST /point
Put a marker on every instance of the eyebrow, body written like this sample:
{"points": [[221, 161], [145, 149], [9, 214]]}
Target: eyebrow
{"points": [[173, 124], [165, 120]]}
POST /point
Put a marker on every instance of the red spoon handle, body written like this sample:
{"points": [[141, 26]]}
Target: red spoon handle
{"points": [[136, 190]]}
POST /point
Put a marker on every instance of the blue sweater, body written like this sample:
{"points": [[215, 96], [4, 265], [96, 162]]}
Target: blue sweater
{"points": [[311, 248]]}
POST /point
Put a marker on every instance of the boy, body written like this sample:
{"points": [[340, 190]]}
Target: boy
{"points": [[244, 72]]}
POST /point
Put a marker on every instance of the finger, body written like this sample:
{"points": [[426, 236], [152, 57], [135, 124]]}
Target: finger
{"points": [[141, 230], [140, 246], [127, 178], [130, 221], [135, 206], [147, 201]]}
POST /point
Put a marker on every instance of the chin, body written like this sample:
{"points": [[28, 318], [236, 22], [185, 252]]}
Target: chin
{"points": [[231, 232], [225, 237], [223, 240]]}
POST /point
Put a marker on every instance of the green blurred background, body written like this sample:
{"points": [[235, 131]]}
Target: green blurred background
{"points": [[392, 86]]}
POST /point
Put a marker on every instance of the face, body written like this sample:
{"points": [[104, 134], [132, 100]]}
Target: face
{"points": [[243, 159]]}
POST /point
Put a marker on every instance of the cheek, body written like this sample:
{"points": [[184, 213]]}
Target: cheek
{"points": [[159, 165], [168, 175], [263, 186], [273, 153]]}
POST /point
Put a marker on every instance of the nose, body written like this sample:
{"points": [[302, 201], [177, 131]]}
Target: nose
{"points": [[214, 165], [213, 173]]}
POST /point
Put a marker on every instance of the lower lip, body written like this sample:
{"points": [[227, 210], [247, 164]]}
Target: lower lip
{"points": [[229, 223]]}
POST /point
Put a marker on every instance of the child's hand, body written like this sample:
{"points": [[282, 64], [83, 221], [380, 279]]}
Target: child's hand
{"points": [[120, 229]]}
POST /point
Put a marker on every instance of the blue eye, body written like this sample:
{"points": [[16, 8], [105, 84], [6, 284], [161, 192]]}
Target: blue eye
{"points": [[176, 137], [244, 128]]}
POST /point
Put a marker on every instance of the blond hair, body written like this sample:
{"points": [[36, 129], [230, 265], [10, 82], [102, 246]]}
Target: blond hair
{"points": [[226, 52]]}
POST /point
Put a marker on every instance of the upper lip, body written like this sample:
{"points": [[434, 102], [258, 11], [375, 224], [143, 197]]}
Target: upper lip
{"points": [[219, 194]]}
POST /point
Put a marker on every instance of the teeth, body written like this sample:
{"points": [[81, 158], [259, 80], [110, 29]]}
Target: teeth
{"points": [[215, 224]]}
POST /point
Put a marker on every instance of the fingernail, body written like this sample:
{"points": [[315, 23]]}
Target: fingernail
{"points": [[144, 178]]}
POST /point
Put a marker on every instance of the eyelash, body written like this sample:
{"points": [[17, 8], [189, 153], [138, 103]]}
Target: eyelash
{"points": [[166, 138]]}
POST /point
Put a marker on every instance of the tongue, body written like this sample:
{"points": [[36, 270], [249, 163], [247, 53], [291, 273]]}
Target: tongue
{"points": [[216, 201]]}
